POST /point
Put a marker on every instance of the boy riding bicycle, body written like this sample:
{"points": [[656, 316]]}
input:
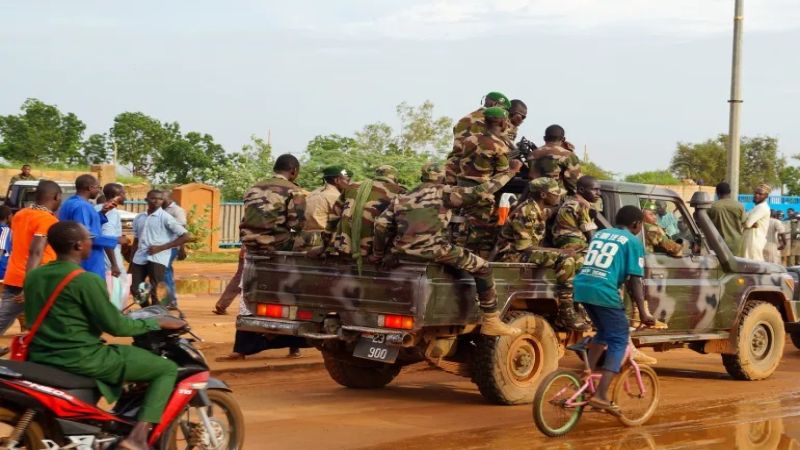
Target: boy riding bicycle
{"points": [[615, 256]]}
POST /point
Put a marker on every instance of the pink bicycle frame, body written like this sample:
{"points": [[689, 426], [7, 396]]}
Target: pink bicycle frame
{"points": [[590, 378]]}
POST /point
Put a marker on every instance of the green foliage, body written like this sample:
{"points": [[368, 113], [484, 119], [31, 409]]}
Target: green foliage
{"points": [[243, 169], [128, 180], [139, 140], [660, 177], [330, 150], [191, 158], [41, 133], [706, 162], [96, 149], [790, 178], [214, 257], [198, 226], [592, 169]]}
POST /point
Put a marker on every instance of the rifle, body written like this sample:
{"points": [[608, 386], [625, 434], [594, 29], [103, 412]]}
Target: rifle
{"points": [[523, 149]]}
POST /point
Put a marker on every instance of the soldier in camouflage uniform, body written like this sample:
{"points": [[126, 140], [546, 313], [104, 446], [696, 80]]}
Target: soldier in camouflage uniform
{"points": [[483, 156], [320, 207], [416, 224], [472, 123], [555, 159], [516, 115], [364, 201], [656, 239], [274, 210]]}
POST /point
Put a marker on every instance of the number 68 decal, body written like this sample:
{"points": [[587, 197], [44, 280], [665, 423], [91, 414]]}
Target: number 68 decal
{"points": [[600, 254]]}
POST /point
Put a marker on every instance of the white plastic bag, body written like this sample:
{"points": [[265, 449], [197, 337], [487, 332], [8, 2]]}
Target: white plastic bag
{"points": [[118, 289]]}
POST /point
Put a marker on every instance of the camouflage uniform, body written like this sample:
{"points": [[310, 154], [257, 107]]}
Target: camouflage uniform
{"points": [[484, 156], [319, 212], [381, 192], [511, 134], [572, 222], [274, 214], [520, 241], [656, 240], [554, 161], [472, 123], [416, 224]]}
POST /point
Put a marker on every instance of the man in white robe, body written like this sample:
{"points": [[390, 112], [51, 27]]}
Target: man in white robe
{"points": [[756, 224]]}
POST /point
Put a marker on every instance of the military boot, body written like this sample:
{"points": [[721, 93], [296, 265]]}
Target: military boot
{"points": [[567, 318], [491, 325]]}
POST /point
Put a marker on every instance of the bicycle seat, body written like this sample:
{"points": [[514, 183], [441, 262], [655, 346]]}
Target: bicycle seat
{"points": [[580, 346]]}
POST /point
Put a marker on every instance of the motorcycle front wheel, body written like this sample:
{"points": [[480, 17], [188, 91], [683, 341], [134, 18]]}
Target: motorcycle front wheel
{"points": [[227, 423]]}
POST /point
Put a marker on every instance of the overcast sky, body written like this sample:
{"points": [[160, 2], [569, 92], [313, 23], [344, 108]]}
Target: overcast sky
{"points": [[627, 78]]}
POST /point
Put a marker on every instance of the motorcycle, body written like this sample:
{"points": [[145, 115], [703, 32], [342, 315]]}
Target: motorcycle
{"points": [[42, 407]]}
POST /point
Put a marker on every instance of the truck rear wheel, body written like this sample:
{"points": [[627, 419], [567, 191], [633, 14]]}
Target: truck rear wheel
{"points": [[508, 369], [358, 374], [759, 341]]}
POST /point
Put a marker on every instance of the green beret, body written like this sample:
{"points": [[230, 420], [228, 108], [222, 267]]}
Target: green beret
{"points": [[495, 112], [432, 172], [545, 184], [335, 171], [501, 99], [386, 171]]}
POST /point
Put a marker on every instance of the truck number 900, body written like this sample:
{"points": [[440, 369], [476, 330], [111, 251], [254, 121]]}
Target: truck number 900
{"points": [[377, 353]]}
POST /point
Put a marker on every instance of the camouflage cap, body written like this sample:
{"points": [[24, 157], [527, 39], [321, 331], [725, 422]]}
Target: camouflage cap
{"points": [[545, 184], [432, 171], [386, 171], [495, 112], [501, 99], [335, 171]]}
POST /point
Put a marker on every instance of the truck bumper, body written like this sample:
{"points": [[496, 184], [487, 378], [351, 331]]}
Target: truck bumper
{"points": [[278, 326]]}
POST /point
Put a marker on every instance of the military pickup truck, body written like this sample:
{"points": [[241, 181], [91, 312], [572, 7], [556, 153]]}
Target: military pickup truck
{"points": [[369, 325]]}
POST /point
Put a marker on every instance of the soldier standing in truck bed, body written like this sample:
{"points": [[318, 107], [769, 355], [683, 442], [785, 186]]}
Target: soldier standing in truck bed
{"points": [[483, 156], [274, 210], [555, 159], [472, 123], [521, 240], [416, 225], [320, 203], [362, 202]]}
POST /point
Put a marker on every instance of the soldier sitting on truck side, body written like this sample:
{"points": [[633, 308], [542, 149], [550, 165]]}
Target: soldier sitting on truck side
{"points": [[356, 210], [555, 159], [521, 238], [320, 206], [416, 225], [274, 210]]}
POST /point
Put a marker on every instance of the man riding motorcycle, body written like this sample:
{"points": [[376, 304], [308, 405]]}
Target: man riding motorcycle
{"points": [[69, 336]]}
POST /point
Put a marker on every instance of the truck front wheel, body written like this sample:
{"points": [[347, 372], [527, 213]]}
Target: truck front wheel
{"points": [[508, 369], [357, 374], [759, 340]]}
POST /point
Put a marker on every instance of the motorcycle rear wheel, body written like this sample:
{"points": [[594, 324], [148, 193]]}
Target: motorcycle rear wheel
{"points": [[31, 440], [225, 416]]}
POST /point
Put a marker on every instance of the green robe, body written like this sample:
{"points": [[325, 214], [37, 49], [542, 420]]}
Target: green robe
{"points": [[728, 216], [69, 337]]}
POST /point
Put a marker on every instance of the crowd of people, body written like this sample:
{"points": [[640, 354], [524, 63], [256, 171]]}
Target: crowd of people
{"points": [[158, 236]]}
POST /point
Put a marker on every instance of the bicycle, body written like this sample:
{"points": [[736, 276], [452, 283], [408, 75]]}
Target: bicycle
{"points": [[561, 397]]}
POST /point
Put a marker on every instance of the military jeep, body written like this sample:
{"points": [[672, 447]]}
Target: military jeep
{"points": [[369, 323]]}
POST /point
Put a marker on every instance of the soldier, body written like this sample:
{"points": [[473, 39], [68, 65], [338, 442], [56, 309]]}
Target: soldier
{"points": [[364, 201], [727, 215], [794, 235], [483, 156], [521, 239], [274, 210], [574, 224], [656, 239], [24, 174], [320, 203], [473, 123], [555, 159], [516, 115], [416, 224]]}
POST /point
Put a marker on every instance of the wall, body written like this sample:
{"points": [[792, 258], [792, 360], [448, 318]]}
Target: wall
{"points": [[106, 173], [206, 201]]}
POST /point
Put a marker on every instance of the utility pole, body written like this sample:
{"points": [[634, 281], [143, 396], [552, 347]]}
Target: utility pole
{"points": [[735, 101]]}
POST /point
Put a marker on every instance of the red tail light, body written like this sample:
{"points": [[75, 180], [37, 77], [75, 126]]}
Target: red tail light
{"points": [[395, 321], [304, 314], [276, 311]]}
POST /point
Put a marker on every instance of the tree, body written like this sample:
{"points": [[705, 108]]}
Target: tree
{"points": [[194, 157], [790, 178], [244, 168], [41, 133], [421, 132], [660, 177], [96, 149], [706, 162], [592, 169], [139, 139], [330, 150]]}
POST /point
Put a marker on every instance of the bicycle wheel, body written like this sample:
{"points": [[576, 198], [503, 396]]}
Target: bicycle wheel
{"points": [[551, 415], [637, 404]]}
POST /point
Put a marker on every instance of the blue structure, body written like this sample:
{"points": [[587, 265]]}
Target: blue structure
{"points": [[776, 202]]}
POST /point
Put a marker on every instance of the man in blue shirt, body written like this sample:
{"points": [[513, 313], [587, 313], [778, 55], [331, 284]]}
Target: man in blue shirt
{"points": [[614, 256], [77, 208], [155, 233], [5, 239]]}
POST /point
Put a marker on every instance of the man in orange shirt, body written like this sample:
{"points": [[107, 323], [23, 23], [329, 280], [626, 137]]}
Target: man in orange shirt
{"points": [[29, 248]]}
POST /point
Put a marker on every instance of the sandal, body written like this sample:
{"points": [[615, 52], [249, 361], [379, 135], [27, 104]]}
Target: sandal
{"points": [[600, 405], [219, 311], [230, 357]]}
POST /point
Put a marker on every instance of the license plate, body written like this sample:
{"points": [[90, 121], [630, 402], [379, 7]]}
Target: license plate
{"points": [[374, 347]]}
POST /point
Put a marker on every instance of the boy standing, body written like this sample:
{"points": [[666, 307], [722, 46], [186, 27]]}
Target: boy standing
{"points": [[615, 256]]}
